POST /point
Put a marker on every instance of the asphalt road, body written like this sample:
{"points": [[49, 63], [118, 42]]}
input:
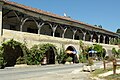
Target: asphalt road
{"points": [[14, 73]]}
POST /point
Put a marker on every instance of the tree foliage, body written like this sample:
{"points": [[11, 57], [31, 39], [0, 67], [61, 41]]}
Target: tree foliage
{"points": [[61, 56], [2, 61], [118, 31], [83, 52], [114, 52], [119, 52]]}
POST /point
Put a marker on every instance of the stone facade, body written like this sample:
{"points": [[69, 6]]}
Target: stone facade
{"points": [[33, 26], [31, 39]]}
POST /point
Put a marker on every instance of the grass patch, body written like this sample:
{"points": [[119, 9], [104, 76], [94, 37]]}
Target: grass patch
{"points": [[113, 77], [110, 77], [100, 71]]}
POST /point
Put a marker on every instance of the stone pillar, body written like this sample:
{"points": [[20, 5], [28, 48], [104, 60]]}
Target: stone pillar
{"points": [[39, 27], [54, 29], [74, 34], [109, 40], [1, 31], [91, 38], [84, 34], [104, 39], [98, 38], [63, 35]]}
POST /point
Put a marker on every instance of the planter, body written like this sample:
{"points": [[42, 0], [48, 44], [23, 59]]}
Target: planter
{"points": [[88, 68], [44, 62], [21, 65], [68, 62]]}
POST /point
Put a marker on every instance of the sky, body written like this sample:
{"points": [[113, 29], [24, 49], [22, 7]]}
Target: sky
{"points": [[93, 12]]}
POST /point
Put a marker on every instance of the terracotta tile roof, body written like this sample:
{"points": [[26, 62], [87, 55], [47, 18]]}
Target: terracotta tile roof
{"points": [[50, 14]]}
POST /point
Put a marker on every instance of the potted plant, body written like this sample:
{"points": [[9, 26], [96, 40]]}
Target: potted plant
{"points": [[69, 60]]}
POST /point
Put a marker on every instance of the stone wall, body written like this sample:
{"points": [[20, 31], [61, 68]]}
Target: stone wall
{"points": [[30, 39]]}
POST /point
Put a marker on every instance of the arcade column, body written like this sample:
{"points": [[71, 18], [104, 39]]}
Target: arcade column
{"points": [[1, 5]]}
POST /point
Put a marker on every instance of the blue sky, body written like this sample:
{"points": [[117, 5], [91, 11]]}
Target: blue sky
{"points": [[94, 12]]}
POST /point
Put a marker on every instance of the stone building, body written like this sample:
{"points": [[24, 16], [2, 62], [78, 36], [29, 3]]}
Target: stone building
{"points": [[34, 26]]}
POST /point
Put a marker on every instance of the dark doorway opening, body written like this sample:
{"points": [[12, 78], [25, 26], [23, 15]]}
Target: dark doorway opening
{"points": [[50, 56], [71, 52]]}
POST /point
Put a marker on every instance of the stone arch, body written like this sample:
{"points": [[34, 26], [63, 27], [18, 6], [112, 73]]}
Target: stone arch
{"points": [[50, 55], [79, 35], [87, 36], [12, 53], [71, 52], [107, 40], [69, 33], [107, 52], [101, 38], [11, 19], [59, 31], [95, 37], [47, 29], [29, 25]]}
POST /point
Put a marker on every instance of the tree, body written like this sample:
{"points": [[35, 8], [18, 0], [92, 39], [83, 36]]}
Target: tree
{"points": [[61, 56], [83, 52], [119, 52], [114, 52], [100, 26], [118, 31], [99, 49]]}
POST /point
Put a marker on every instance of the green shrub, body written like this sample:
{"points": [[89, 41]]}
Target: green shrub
{"points": [[12, 50], [21, 60], [82, 58], [69, 59], [119, 52], [114, 52], [2, 61], [37, 53], [61, 56], [35, 56]]}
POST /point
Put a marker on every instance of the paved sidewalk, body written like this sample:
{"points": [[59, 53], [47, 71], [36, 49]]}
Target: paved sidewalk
{"points": [[74, 75]]}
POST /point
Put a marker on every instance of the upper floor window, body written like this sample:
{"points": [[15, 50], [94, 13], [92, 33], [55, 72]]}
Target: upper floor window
{"points": [[12, 27], [32, 30]]}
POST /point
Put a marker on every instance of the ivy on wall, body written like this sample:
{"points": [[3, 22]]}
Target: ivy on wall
{"points": [[13, 52], [37, 53]]}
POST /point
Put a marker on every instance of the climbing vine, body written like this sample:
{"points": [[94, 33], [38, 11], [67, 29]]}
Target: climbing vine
{"points": [[2, 61], [14, 52], [37, 53]]}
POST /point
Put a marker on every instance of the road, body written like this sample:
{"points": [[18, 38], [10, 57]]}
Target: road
{"points": [[27, 73]]}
